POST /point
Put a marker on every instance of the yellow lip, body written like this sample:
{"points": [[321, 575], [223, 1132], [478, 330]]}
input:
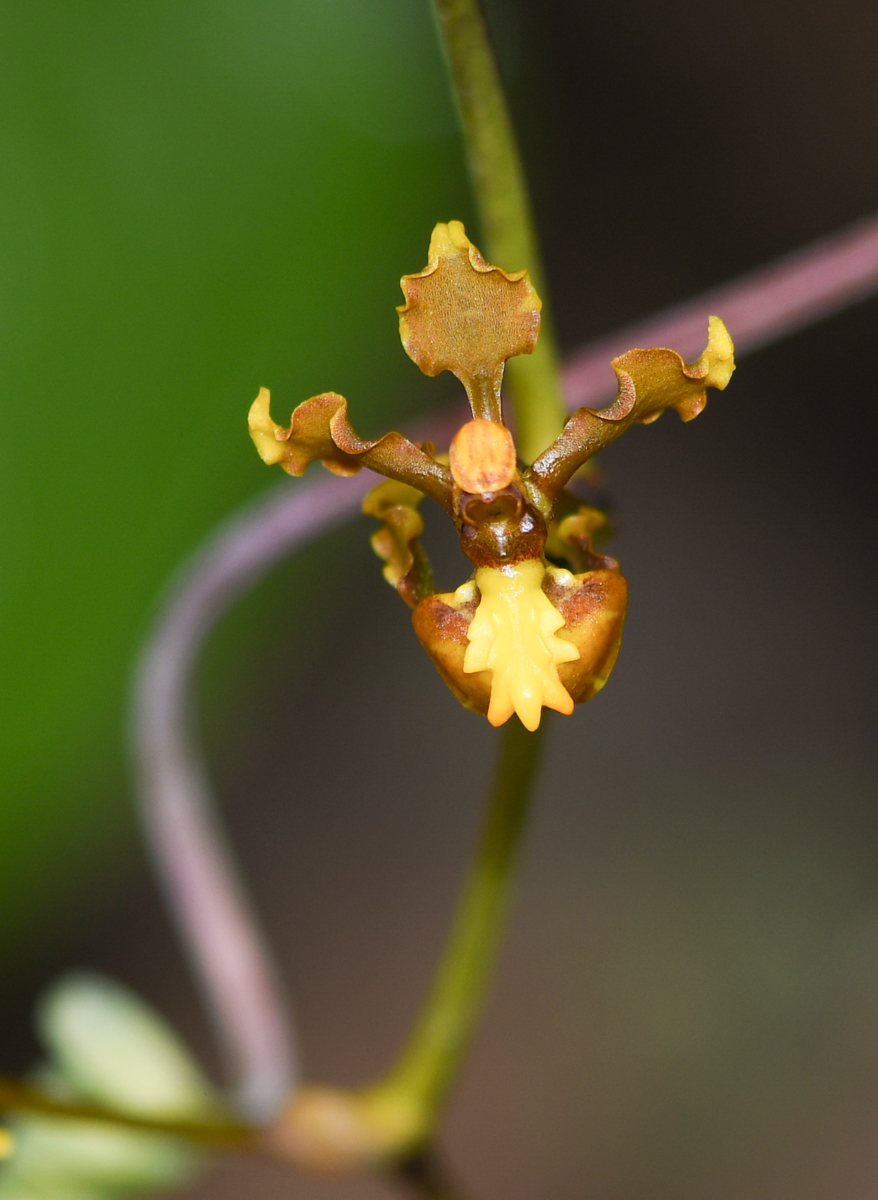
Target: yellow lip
{"points": [[512, 635]]}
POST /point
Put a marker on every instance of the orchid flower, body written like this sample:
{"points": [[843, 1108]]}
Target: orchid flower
{"points": [[539, 622]]}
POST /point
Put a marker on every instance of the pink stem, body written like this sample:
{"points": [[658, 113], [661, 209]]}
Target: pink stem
{"points": [[231, 958], [759, 308]]}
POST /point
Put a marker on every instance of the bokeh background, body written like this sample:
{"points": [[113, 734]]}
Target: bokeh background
{"points": [[198, 199]]}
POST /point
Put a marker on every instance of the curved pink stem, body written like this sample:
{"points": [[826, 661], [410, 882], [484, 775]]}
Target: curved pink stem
{"points": [[759, 308], [231, 958]]}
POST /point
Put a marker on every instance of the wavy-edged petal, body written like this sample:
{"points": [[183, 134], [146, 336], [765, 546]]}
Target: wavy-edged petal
{"points": [[571, 539], [407, 567], [320, 429], [650, 381], [307, 438]]}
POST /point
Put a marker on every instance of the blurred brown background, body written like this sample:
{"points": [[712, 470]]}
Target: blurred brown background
{"points": [[688, 1002]]}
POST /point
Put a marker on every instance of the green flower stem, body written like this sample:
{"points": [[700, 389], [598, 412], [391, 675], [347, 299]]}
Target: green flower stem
{"points": [[225, 1135], [433, 1056], [504, 210]]}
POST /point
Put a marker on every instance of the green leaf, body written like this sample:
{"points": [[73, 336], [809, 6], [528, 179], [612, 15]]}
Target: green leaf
{"points": [[113, 1049]]}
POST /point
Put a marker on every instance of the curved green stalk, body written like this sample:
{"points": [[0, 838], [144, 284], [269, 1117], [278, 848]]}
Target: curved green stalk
{"points": [[430, 1062], [504, 209], [392, 1123]]}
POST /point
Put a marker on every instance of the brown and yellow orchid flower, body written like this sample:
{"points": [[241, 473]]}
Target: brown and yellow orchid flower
{"points": [[539, 623]]}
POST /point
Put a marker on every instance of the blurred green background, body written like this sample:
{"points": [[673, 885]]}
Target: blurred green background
{"points": [[196, 200], [199, 199]]}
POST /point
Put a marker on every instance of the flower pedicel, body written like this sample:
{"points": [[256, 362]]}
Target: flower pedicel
{"points": [[539, 623]]}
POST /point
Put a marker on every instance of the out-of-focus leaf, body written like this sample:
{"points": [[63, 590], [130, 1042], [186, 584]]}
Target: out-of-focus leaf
{"points": [[112, 1048], [109, 1047], [72, 1158]]}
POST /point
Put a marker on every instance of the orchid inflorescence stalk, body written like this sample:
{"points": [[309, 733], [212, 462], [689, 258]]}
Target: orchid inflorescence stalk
{"points": [[539, 623]]}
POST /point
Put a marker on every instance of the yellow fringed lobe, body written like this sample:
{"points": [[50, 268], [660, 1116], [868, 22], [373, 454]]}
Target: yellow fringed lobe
{"points": [[512, 635]]}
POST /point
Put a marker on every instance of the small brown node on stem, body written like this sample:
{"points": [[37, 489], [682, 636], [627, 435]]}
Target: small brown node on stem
{"points": [[336, 1131], [482, 457]]}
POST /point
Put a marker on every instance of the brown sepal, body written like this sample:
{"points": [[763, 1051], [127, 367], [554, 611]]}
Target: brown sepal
{"points": [[571, 540], [466, 316], [320, 428], [650, 381], [407, 566], [308, 437]]}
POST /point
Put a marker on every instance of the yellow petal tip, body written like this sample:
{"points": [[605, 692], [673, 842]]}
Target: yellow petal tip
{"points": [[719, 354], [264, 431]]}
